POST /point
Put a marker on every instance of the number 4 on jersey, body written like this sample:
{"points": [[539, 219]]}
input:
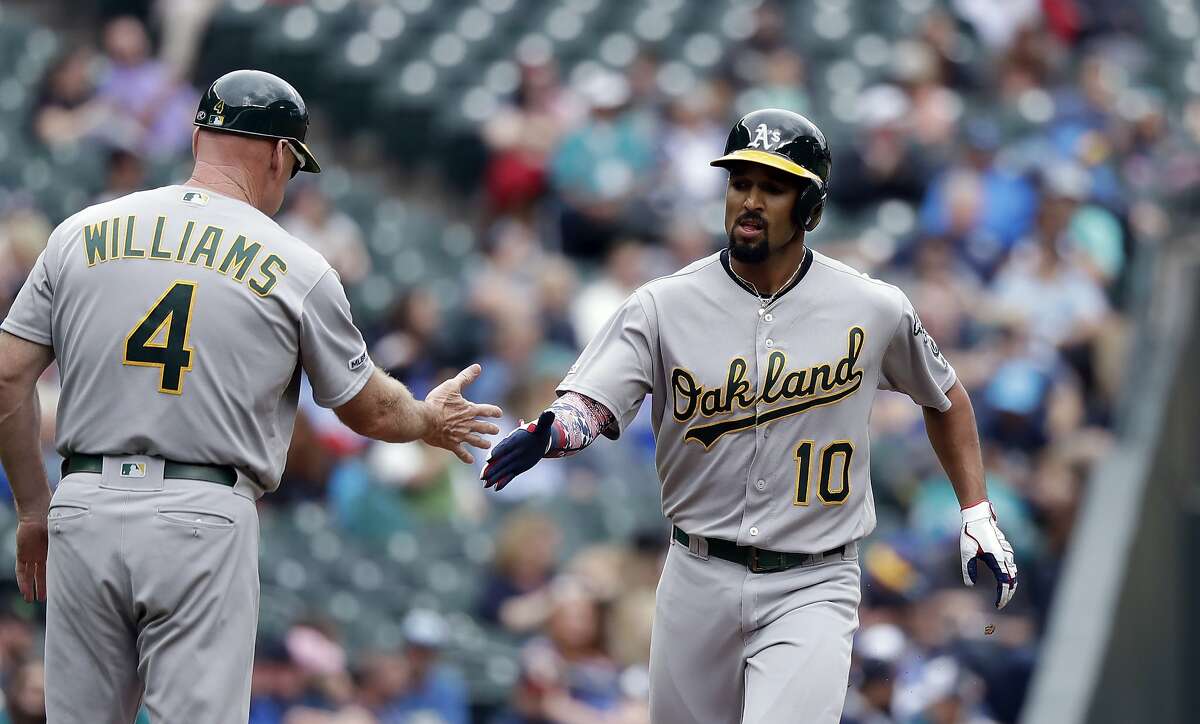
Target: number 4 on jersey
{"points": [[172, 356]]}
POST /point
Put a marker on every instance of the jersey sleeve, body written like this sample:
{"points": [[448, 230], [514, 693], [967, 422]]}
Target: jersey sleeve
{"points": [[914, 365], [332, 350], [616, 368], [32, 312]]}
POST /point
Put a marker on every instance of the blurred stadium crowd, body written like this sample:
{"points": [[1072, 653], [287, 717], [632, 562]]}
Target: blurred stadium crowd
{"points": [[502, 173]]}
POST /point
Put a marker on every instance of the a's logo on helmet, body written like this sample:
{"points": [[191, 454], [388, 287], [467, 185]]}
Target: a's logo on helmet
{"points": [[201, 115], [765, 137], [220, 107]]}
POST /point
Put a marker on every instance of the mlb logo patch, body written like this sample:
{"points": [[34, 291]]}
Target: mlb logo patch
{"points": [[133, 470], [216, 120], [196, 198]]}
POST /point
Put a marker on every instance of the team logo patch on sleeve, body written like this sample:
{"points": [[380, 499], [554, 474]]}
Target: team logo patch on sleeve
{"points": [[133, 470], [358, 362]]}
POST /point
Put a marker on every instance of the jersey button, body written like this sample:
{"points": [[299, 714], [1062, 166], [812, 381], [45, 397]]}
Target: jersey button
{"points": [[761, 311], [753, 530], [761, 484], [770, 343], [769, 318]]}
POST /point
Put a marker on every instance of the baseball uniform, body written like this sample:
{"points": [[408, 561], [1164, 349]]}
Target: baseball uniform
{"points": [[760, 415], [181, 321]]}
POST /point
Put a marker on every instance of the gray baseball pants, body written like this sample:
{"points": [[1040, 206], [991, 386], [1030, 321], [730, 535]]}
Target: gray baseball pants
{"points": [[730, 646], [152, 596]]}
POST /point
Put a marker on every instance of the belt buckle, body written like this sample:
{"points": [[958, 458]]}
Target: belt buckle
{"points": [[754, 566]]}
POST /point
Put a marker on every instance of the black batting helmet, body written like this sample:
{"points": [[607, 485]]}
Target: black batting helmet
{"points": [[791, 143], [254, 103]]}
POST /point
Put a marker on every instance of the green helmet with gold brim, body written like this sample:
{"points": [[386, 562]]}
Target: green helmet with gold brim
{"points": [[788, 142]]}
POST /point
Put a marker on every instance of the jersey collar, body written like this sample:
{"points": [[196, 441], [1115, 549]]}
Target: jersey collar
{"points": [[804, 265]]}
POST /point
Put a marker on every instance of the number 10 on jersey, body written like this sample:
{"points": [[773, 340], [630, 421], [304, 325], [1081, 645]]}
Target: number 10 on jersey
{"points": [[172, 356], [834, 471]]}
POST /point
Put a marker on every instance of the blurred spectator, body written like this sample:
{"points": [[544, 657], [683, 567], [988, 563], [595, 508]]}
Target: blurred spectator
{"points": [[23, 235], [277, 684], [567, 677], [67, 109], [1045, 284], [997, 24], [600, 166], [126, 174], [953, 50], [686, 241], [780, 85], [416, 347], [309, 462], [521, 137], [979, 205], [556, 290], [416, 687], [935, 108], [516, 594], [25, 695], [624, 271], [182, 25], [145, 90], [945, 291], [747, 61], [693, 135], [882, 162], [337, 237], [877, 650]]}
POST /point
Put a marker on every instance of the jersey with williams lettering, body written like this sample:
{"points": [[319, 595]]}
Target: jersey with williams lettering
{"points": [[180, 320], [760, 412]]}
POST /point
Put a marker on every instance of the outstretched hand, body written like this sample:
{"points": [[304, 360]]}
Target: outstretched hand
{"points": [[518, 451], [455, 422]]}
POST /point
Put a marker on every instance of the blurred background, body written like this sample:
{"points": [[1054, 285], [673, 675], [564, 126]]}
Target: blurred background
{"points": [[501, 174]]}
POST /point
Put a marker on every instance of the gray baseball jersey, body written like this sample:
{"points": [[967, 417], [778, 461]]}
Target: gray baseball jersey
{"points": [[181, 320], [760, 412]]}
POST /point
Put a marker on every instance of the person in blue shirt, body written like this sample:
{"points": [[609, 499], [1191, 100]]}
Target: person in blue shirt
{"points": [[428, 689]]}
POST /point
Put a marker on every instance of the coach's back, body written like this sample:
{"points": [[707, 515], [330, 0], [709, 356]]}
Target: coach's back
{"points": [[180, 319]]}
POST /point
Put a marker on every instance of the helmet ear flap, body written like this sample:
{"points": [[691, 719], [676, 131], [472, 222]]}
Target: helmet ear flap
{"points": [[810, 205], [814, 216]]}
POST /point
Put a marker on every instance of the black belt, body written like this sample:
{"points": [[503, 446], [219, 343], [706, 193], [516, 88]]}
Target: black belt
{"points": [[219, 474], [757, 559]]}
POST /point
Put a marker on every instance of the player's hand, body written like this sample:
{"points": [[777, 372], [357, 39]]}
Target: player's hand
{"points": [[455, 422], [981, 539], [32, 542], [518, 451]]}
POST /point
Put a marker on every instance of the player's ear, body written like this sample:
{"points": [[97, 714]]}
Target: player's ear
{"points": [[279, 159]]}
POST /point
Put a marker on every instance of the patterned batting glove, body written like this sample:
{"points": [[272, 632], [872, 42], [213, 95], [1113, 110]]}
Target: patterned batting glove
{"points": [[981, 539], [520, 450]]}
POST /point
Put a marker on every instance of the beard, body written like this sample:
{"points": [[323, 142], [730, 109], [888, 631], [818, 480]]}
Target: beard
{"points": [[749, 252]]}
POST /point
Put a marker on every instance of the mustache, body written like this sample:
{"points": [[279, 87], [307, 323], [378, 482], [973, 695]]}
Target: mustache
{"points": [[751, 216]]}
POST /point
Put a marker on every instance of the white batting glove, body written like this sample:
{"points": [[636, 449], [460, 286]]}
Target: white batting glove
{"points": [[981, 539]]}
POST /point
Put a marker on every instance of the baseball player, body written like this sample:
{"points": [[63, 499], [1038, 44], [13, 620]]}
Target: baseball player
{"points": [[181, 319], [762, 362]]}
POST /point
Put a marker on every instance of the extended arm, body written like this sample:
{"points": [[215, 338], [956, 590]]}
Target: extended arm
{"points": [[385, 410], [956, 442], [571, 423], [578, 420], [21, 363]]}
